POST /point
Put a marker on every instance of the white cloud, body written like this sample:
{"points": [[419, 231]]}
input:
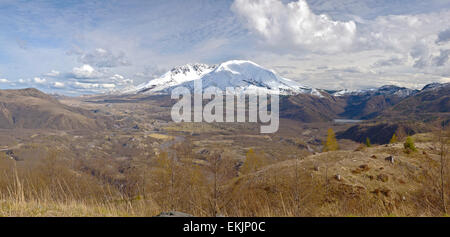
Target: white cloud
{"points": [[117, 77], [120, 80], [85, 72], [294, 25], [53, 73], [58, 84], [400, 33], [378, 40], [407, 50], [81, 85], [39, 80], [3, 80], [108, 85], [104, 58], [82, 79]]}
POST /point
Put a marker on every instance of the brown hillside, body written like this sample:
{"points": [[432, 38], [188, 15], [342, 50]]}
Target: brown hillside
{"points": [[33, 109]]}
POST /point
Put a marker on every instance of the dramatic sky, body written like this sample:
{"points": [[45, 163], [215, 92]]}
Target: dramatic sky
{"points": [[77, 47]]}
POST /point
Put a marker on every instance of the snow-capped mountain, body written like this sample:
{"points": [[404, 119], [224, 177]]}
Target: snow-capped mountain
{"points": [[434, 86], [249, 77], [384, 90], [246, 76], [172, 78]]}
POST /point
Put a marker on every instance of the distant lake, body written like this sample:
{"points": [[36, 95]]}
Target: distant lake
{"points": [[347, 121]]}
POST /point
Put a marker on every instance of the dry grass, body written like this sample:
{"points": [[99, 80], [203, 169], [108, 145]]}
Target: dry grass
{"points": [[43, 208], [339, 183], [52, 189], [161, 136]]}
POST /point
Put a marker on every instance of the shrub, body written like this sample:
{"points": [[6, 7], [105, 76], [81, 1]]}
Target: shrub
{"points": [[409, 145]]}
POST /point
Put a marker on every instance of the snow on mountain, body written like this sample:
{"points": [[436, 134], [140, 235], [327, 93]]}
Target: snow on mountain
{"points": [[345, 92], [435, 85], [248, 77], [384, 90], [172, 78], [245, 76]]}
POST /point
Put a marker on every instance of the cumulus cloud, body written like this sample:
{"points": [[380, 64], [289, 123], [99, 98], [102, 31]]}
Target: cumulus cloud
{"points": [[376, 40], [58, 84], [121, 80], [85, 72], [402, 33], [39, 80], [83, 79], [4, 80], [81, 85], [104, 58], [294, 25]]}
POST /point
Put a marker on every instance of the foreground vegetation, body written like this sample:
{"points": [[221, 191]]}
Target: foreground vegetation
{"points": [[364, 182]]}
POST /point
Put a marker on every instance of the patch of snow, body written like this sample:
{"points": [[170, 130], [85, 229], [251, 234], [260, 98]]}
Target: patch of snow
{"points": [[245, 76]]}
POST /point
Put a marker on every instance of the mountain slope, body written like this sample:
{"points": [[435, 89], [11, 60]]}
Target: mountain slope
{"points": [[370, 103], [303, 103], [409, 116], [365, 104], [381, 133], [249, 77], [174, 77], [238, 74], [308, 108], [33, 109], [432, 101]]}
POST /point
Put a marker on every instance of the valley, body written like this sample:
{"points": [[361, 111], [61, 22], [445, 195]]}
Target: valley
{"points": [[122, 155]]}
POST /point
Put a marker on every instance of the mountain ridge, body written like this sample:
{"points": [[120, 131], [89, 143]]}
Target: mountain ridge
{"points": [[32, 109], [239, 74]]}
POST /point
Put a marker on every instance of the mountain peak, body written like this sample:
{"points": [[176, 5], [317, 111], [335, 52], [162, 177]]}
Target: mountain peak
{"points": [[248, 77], [229, 63], [390, 87], [187, 68], [434, 85], [239, 74], [174, 77]]}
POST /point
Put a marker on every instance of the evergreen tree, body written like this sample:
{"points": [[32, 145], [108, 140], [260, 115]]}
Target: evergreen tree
{"points": [[368, 144], [393, 139]]}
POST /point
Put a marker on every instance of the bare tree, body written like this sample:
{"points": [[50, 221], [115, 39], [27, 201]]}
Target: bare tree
{"points": [[143, 164], [296, 188], [220, 169], [443, 140], [166, 177]]}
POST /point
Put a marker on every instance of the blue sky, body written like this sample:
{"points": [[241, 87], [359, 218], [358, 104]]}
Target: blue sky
{"points": [[77, 47]]}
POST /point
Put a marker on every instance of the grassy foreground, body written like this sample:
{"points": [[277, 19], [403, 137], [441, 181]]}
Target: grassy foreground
{"points": [[362, 182]]}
